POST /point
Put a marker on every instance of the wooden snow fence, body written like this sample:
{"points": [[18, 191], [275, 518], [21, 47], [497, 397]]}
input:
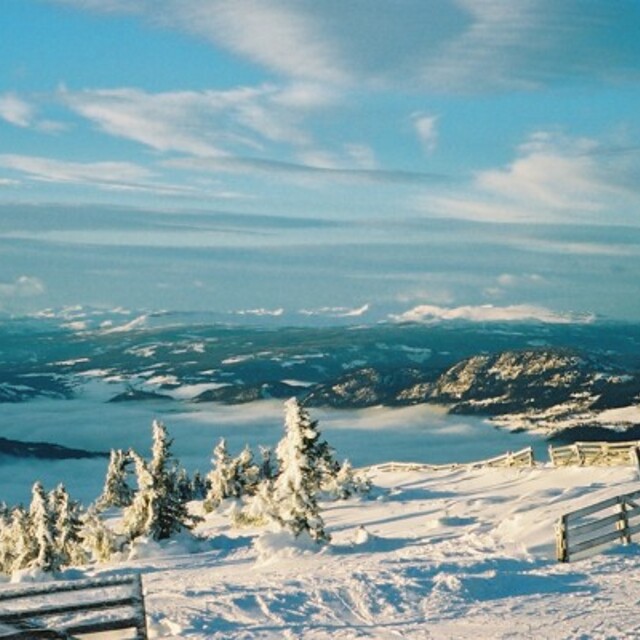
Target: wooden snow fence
{"points": [[71, 609], [598, 524], [522, 458], [596, 454]]}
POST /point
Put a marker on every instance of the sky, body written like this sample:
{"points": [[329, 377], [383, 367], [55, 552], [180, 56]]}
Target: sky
{"points": [[370, 159]]}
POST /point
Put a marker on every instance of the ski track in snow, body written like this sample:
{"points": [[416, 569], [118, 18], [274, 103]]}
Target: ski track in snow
{"points": [[459, 554]]}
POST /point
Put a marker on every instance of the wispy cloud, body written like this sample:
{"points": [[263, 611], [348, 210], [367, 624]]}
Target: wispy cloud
{"points": [[203, 123], [458, 45], [553, 179], [16, 110], [105, 175], [320, 167], [425, 126]]}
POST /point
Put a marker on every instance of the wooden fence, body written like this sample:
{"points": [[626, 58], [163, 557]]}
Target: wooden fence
{"points": [[68, 609], [598, 524], [595, 453], [522, 458]]}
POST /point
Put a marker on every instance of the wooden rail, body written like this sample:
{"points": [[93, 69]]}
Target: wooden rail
{"points": [[68, 609], [595, 453], [581, 530], [522, 458]]}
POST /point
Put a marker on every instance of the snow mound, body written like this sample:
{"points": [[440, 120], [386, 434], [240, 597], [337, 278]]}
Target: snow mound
{"points": [[274, 546]]}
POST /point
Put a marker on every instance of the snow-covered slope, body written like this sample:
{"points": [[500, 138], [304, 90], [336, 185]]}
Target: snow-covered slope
{"points": [[461, 554]]}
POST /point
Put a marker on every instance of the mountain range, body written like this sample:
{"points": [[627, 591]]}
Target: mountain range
{"points": [[521, 375]]}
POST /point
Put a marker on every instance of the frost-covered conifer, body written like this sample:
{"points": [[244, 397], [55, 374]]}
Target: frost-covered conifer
{"points": [[184, 486], [42, 521], [157, 510], [67, 527], [268, 465], [7, 543], [99, 542], [116, 491], [296, 487], [20, 546], [247, 472], [231, 477], [346, 483], [222, 479], [199, 486], [260, 509]]}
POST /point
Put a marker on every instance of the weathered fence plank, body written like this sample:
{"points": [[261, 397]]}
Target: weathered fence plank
{"points": [[35, 619], [522, 458], [574, 534], [595, 453]]}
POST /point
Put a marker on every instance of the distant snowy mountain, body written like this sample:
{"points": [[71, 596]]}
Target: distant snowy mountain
{"points": [[523, 375]]}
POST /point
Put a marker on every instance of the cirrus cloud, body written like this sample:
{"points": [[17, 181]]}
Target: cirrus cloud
{"points": [[444, 45]]}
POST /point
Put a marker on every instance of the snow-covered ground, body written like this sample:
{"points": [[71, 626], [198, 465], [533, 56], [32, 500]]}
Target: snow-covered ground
{"points": [[443, 555], [431, 554]]}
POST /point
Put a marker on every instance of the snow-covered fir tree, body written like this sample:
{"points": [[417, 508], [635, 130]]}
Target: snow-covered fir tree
{"points": [[157, 509], [199, 486], [7, 541], [116, 491], [184, 486], [19, 544], [298, 483], [231, 477], [67, 527], [247, 472], [260, 508], [346, 483], [99, 542], [45, 555], [223, 477], [268, 464]]}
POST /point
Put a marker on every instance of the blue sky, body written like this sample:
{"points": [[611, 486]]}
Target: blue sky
{"points": [[435, 158]]}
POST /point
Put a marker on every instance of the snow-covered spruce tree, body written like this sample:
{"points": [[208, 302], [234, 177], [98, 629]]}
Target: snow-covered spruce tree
{"points": [[19, 548], [298, 483], [116, 491], [260, 509], [157, 510], [7, 550], [67, 527], [222, 479], [98, 541], [247, 472], [346, 483], [268, 464], [184, 486], [199, 486], [42, 521]]}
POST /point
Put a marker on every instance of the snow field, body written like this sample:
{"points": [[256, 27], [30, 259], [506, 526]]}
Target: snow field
{"points": [[460, 554]]}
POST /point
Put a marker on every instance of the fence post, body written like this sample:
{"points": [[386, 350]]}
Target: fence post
{"points": [[562, 544], [141, 627], [634, 454], [623, 523]]}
